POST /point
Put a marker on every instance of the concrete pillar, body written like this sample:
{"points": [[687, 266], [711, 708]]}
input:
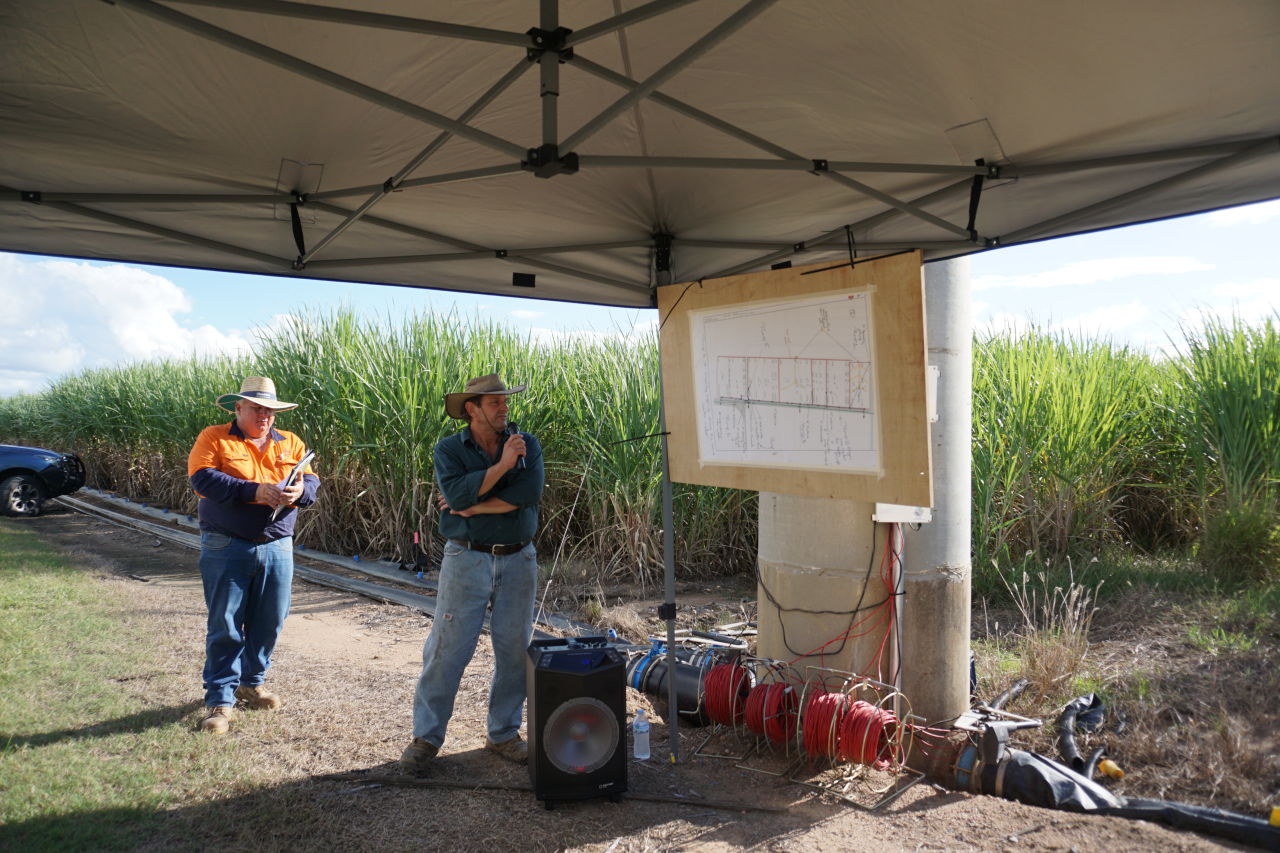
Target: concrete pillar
{"points": [[813, 552], [813, 557], [935, 624]]}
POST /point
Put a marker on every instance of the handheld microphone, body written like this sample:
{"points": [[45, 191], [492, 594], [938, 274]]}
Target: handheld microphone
{"points": [[512, 429]]}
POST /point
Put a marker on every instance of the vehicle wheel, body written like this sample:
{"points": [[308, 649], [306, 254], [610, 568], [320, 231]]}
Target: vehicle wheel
{"points": [[21, 494]]}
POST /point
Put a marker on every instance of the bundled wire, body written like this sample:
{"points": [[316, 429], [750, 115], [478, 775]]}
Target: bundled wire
{"points": [[865, 735], [725, 689], [771, 711], [820, 724]]}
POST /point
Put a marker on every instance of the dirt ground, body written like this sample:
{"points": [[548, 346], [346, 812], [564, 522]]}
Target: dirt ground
{"points": [[346, 668]]}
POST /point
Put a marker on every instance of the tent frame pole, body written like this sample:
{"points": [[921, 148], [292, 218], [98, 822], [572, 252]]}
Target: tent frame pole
{"points": [[787, 165], [759, 142], [329, 78], [481, 254], [426, 181], [1268, 145], [626, 19], [549, 72], [160, 231], [412, 231], [377, 20], [397, 180], [690, 54]]}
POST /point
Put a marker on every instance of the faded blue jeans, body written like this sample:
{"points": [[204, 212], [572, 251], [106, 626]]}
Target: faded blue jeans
{"points": [[470, 583], [247, 589]]}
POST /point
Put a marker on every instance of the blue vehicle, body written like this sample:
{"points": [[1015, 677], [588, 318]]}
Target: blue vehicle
{"points": [[29, 476]]}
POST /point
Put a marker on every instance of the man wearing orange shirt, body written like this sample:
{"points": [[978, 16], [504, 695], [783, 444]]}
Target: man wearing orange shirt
{"points": [[247, 516]]}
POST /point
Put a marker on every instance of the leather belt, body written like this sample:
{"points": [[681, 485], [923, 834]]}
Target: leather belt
{"points": [[495, 550]]}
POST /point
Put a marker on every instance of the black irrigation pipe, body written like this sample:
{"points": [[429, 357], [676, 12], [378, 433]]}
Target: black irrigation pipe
{"points": [[378, 592]]}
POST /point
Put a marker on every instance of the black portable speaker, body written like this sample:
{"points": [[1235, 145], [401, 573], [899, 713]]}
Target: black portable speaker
{"points": [[577, 719]]}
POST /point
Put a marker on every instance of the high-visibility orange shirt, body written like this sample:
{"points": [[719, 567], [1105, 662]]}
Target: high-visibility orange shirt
{"points": [[225, 468]]}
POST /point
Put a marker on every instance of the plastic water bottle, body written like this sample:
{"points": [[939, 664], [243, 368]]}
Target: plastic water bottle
{"points": [[640, 735]]}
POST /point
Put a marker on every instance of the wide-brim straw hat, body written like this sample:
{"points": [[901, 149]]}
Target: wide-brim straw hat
{"points": [[487, 384], [256, 389]]}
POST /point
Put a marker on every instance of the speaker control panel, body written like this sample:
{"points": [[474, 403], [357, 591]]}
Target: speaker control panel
{"points": [[574, 654]]}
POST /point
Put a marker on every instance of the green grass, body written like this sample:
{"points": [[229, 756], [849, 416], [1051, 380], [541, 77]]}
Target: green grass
{"points": [[83, 764], [1217, 640]]}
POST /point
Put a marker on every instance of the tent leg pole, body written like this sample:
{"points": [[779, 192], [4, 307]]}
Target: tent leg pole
{"points": [[669, 579]]}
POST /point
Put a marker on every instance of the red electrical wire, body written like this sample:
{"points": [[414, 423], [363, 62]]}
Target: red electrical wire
{"points": [[780, 713], [884, 614], [864, 735], [725, 689], [771, 711], [820, 723]]}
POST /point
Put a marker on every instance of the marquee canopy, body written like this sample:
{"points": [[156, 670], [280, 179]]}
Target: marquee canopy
{"points": [[597, 148]]}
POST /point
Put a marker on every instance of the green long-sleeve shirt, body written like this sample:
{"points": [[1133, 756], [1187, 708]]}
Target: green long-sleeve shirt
{"points": [[461, 464]]}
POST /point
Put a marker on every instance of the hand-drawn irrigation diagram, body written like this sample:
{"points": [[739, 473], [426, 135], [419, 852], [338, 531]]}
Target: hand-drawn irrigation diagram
{"points": [[788, 384]]}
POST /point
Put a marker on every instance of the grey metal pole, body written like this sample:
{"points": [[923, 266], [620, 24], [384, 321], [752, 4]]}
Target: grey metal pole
{"points": [[669, 578], [320, 75], [690, 54], [937, 570], [549, 71]]}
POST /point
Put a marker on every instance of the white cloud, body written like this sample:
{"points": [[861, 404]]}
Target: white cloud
{"points": [[1250, 302], [1249, 214], [524, 314], [1094, 271], [640, 327], [1106, 321], [1004, 323], [63, 316]]}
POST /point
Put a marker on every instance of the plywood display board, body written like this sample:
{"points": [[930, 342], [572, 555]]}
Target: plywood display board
{"points": [[803, 381]]}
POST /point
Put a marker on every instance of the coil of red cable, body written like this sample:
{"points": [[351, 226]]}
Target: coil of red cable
{"points": [[864, 734], [771, 711], [820, 723], [725, 688], [780, 713]]}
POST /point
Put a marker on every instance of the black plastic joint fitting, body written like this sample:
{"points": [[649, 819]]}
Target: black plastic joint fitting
{"points": [[667, 610], [541, 40], [545, 161], [33, 196], [797, 247], [662, 252], [820, 166], [499, 253]]}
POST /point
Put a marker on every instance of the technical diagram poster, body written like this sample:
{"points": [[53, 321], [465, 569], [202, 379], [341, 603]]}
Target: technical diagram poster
{"points": [[800, 381], [787, 383]]}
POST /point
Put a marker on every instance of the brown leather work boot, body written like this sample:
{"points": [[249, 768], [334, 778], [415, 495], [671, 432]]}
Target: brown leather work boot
{"points": [[217, 719], [259, 698], [513, 750], [418, 755]]}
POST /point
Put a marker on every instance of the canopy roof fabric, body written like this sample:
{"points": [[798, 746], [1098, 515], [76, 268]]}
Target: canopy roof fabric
{"points": [[598, 148]]}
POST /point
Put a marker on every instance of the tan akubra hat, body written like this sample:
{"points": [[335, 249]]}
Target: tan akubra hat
{"points": [[256, 389], [487, 384]]}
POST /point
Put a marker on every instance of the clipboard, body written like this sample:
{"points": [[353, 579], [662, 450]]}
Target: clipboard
{"points": [[294, 473]]}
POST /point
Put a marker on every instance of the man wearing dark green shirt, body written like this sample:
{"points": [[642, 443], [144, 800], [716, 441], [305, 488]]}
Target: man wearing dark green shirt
{"points": [[490, 478]]}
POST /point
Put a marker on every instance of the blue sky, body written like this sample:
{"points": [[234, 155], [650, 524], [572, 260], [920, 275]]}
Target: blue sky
{"points": [[1138, 285]]}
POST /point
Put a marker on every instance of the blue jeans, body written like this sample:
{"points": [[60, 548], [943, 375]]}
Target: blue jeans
{"points": [[470, 583], [247, 589]]}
